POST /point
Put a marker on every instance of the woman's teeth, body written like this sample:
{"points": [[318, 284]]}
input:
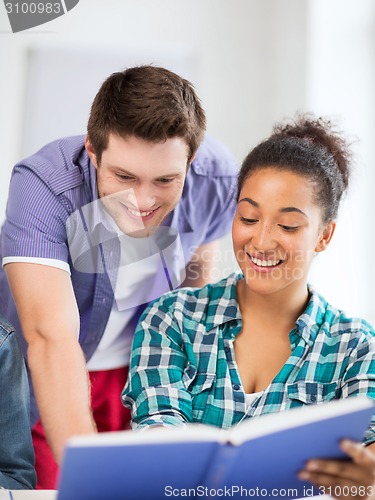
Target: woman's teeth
{"points": [[265, 263]]}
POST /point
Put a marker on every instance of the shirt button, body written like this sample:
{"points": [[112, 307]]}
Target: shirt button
{"points": [[236, 387], [313, 398], [227, 348]]}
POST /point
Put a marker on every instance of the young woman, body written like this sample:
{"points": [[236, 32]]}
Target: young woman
{"points": [[264, 341]]}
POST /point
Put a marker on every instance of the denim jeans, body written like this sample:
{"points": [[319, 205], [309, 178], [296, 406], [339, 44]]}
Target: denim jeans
{"points": [[16, 449]]}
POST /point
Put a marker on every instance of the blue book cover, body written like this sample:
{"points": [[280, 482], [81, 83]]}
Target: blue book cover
{"points": [[261, 455]]}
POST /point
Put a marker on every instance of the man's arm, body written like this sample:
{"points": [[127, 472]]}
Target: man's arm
{"points": [[200, 269], [50, 322]]}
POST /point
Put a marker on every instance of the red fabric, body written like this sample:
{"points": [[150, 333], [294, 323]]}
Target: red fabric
{"points": [[109, 415]]}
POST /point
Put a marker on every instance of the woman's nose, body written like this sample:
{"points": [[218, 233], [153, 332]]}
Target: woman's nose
{"points": [[263, 238]]}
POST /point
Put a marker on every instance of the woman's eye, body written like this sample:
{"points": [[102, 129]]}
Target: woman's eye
{"points": [[248, 221], [290, 229]]}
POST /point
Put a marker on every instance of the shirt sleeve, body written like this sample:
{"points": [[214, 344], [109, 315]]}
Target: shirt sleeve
{"points": [[210, 191], [35, 219], [155, 392], [359, 377], [222, 217], [16, 449]]}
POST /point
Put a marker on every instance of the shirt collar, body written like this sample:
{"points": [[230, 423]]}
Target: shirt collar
{"points": [[180, 219], [312, 319], [223, 307], [96, 216]]}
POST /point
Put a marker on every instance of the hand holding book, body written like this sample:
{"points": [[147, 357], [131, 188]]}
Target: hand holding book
{"points": [[343, 479]]}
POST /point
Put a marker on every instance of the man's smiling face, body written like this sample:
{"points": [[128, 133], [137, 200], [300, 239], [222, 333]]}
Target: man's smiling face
{"points": [[140, 182]]}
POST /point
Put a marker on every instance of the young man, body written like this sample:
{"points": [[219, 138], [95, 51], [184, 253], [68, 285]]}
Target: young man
{"points": [[98, 226]]}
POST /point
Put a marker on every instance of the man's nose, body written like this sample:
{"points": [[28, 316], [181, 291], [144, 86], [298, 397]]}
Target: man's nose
{"points": [[143, 198]]}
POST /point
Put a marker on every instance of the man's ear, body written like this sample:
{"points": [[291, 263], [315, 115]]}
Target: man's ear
{"points": [[190, 161], [325, 236], [192, 158], [90, 151]]}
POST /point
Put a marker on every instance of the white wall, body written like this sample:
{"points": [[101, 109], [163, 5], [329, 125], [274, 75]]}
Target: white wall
{"points": [[252, 62], [242, 55], [341, 83]]}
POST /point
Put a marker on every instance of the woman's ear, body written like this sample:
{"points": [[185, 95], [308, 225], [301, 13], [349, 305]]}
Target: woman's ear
{"points": [[325, 236], [90, 151]]}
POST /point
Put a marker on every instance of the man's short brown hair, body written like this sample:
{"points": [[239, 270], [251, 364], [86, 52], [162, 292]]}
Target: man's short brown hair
{"points": [[147, 102]]}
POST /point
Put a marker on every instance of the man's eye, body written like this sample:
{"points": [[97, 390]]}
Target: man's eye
{"points": [[123, 177], [289, 229], [165, 180], [248, 221]]}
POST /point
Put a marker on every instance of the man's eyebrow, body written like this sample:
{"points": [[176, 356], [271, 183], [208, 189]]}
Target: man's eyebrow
{"points": [[282, 210], [124, 171], [173, 174]]}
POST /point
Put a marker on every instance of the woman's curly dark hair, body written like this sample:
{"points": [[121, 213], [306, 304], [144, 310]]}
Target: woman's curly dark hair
{"points": [[307, 146]]}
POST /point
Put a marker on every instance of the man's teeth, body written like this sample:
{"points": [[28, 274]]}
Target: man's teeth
{"points": [[137, 213], [265, 263]]}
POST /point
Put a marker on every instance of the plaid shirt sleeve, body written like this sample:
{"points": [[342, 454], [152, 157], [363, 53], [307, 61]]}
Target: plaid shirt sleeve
{"points": [[155, 392], [359, 377]]}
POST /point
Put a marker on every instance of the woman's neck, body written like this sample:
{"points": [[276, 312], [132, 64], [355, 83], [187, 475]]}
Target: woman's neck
{"points": [[283, 307]]}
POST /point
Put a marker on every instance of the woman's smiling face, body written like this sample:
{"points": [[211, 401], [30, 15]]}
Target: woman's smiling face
{"points": [[277, 230]]}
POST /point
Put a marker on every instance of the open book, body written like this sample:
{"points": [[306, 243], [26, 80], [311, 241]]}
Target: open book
{"points": [[260, 456]]}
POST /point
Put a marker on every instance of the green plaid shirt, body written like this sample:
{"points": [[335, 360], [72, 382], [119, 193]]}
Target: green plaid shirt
{"points": [[183, 367]]}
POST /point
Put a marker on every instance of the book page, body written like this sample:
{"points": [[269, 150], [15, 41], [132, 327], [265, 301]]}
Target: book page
{"points": [[152, 435]]}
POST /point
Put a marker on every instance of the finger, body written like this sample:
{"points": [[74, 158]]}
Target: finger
{"points": [[358, 453], [346, 470], [326, 479]]}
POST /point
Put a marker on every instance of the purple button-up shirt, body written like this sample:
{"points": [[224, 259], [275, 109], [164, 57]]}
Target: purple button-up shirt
{"points": [[48, 187]]}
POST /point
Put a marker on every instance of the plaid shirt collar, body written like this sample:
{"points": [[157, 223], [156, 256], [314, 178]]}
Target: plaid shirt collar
{"points": [[225, 308]]}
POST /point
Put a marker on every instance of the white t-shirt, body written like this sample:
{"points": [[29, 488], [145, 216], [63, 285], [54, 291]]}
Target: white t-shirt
{"points": [[148, 268], [250, 398], [132, 282]]}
